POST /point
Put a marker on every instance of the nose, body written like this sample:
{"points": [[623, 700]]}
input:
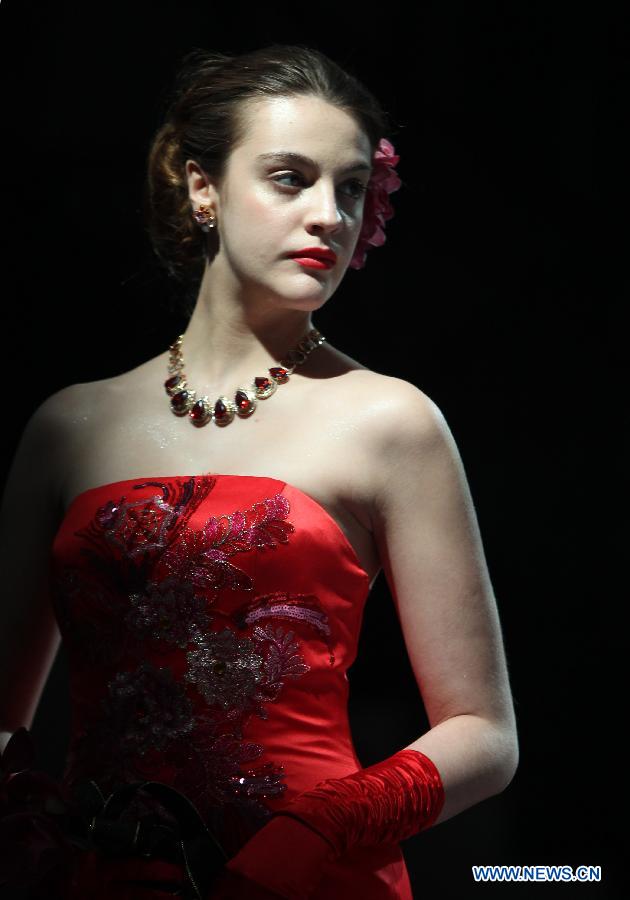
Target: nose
{"points": [[323, 211]]}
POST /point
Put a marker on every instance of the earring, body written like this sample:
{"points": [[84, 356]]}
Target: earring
{"points": [[204, 218]]}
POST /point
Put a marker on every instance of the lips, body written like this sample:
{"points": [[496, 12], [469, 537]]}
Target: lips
{"points": [[320, 253]]}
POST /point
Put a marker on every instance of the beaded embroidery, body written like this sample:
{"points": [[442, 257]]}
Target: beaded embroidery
{"points": [[154, 583], [147, 709]]}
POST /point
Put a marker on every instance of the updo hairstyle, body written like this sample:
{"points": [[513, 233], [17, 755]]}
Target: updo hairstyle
{"points": [[204, 118]]}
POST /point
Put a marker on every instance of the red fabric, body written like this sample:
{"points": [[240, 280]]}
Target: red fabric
{"points": [[387, 802], [286, 857], [209, 622]]}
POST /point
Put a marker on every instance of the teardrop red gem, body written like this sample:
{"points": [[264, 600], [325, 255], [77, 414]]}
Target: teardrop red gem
{"points": [[198, 411], [220, 410], [172, 382], [180, 400], [261, 381], [242, 400], [281, 375]]}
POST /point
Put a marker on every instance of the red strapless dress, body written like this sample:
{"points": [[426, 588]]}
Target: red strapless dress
{"points": [[209, 622]]}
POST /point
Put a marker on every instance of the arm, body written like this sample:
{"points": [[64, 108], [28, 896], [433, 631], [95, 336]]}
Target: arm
{"points": [[430, 547], [29, 517], [431, 550]]}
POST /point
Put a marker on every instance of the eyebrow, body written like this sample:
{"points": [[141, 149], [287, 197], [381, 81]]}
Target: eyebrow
{"points": [[359, 165]]}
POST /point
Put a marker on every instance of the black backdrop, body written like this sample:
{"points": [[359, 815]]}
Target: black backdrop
{"points": [[499, 293]]}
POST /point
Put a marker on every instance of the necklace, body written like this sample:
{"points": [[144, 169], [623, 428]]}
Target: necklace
{"points": [[201, 411]]}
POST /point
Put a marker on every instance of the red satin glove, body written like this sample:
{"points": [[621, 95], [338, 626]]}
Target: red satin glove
{"points": [[385, 803]]}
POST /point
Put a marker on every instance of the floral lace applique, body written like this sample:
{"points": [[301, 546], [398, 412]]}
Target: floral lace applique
{"points": [[282, 605], [133, 546], [167, 613], [235, 673], [146, 709], [204, 556], [154, 585], [146, 524]]}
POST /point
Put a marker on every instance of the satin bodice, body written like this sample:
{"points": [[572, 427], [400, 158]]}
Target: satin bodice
{"points": [[209, 622]]}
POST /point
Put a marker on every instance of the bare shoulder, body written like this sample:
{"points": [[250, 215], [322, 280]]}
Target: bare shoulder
{"points": [[50, 423], [396, 413], [72, 411], [401, 430], [375, 389], [55, 434]]}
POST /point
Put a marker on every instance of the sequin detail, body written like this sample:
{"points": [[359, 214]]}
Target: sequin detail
{"points": [[154, 584], [168, 612], [204, 556], [147, 709], [225, 669], [299, 607]]}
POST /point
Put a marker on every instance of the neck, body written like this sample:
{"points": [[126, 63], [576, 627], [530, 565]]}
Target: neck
{"points": [[229, 340]]}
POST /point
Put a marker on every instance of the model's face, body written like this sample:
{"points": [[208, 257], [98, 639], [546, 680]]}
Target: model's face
{"points": [[269, 207]]}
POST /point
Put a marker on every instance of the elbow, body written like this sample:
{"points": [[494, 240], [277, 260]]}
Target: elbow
{"points": [[507, 773], [507, 760]]}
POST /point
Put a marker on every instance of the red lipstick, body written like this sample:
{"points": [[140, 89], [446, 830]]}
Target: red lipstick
{"points": [[315, 257], [310, 262]]}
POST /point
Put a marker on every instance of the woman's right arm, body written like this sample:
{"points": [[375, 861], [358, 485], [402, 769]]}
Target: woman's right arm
{"points": [[30, 513]]}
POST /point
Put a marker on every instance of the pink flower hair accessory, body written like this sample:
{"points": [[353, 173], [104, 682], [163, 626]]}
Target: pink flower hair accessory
{"points": [[377, 210]]}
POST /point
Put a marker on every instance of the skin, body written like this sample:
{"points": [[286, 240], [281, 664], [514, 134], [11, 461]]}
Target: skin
{"points": [[373, 450], [254, 301], [253, 305]]}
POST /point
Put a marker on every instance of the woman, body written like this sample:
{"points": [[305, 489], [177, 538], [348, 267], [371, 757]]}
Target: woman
{"points": [[208, 576]]}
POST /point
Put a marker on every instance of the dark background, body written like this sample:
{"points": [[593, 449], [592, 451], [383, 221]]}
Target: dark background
{"points": [[499, 293]]}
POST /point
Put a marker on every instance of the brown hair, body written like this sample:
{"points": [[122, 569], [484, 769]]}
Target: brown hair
{"points": [[203, 121]]}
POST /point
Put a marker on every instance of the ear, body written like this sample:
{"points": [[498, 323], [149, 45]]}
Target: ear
{"points": [[201, 188]]}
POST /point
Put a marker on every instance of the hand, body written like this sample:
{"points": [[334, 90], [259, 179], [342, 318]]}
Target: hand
{"points": [[231, 886]]}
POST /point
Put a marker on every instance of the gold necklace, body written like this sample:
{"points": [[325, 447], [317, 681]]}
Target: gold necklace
{"points": [[201, 411]]}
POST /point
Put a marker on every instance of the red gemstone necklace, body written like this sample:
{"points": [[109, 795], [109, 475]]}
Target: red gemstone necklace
{"points": [[201, 411]]}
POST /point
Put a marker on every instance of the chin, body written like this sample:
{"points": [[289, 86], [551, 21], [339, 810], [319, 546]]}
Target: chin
{"points": [[307, 303]]}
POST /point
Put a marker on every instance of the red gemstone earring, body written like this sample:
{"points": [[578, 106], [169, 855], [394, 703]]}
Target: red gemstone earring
{"points": [[204, 218]]}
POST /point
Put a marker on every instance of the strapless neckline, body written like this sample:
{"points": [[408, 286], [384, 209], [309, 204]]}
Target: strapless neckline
{"points": [[330, 518]]}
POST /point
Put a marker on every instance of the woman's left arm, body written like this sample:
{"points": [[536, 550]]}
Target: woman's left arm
{"points": [[430, 547], [431, 550]]}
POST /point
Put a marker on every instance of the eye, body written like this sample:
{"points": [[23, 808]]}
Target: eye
{"points": [[288, 175], [356, 185]]}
